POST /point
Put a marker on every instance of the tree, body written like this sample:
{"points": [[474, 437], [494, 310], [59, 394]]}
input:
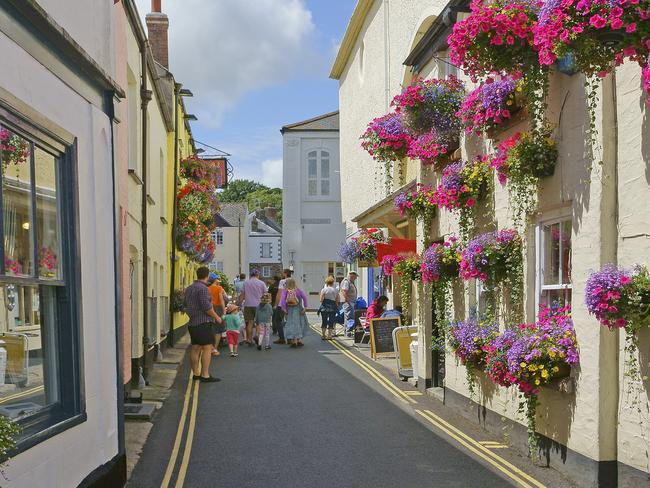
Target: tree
{"points": [[238, 190], [266, 197]]}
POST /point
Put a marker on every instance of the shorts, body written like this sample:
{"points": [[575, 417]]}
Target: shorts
{"points": [[218, 328], [233, 337], [249, 313], [201, 334]]}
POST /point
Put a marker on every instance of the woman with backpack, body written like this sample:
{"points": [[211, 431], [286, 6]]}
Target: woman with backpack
{"points": [[294, 303]]}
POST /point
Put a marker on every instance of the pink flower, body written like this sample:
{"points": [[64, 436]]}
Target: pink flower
{"points": [[616, 23], [597, 21], [630, 28]]}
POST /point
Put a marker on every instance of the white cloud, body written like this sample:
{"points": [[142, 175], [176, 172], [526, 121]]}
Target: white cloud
{"points": [[223, 49], [272, 173]]}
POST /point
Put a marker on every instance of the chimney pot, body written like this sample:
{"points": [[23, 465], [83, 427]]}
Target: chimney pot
{"points": [[156, 5]]}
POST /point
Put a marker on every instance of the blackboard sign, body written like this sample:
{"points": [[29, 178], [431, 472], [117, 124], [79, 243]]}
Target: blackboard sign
{"points": [[381, 336]]}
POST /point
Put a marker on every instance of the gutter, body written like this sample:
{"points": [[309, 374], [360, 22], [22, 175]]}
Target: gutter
{"points": [[145, 95], [170, 334]]}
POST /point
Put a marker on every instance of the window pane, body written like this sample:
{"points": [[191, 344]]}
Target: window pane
{"points": [[17, 203], [324, 155], [312, 155], [325, 168], [311, 168], [313, 188], [47, 220], [28, 379], [325, 187], [566, 252], [551, 238], [556, 297]]}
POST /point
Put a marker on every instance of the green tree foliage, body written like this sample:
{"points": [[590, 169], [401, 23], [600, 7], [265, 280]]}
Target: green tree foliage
{"points": [[238, 190]]}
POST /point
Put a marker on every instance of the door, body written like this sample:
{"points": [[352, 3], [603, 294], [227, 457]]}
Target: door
{"points": [[313, 279]]}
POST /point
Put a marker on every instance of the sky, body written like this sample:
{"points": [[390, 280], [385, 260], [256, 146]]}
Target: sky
{"points": [[254, 66]]}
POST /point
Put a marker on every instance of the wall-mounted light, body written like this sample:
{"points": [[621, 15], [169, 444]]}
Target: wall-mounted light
{"points": [[26, 225]]}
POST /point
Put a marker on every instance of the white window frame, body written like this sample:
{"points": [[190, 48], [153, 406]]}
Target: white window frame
{"points": [[318, 178], [266, 271], [445, 68], [540, 287], [217, 236]]}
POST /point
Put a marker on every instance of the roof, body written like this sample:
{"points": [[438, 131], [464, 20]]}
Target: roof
{"points": [[231, 214], [268, 226], [350, 38], [435, 38], [328, 121]]}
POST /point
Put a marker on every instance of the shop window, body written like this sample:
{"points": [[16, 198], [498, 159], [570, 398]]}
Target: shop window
{"points": [[39, 319], [318, 173], [554, 262]]}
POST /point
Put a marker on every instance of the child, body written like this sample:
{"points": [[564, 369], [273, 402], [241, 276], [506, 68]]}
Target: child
{"points": [[232, 322], [264, 321]]}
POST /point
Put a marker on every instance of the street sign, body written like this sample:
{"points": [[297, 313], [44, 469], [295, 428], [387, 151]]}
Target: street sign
{"points": [[381, 336]]}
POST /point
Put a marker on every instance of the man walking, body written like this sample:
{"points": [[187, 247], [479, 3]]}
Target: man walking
{"points": [[348, 296], [198, 305], [239, 286], [278, 313], [251, 296]]}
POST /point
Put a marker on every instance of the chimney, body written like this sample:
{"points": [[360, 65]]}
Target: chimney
{"points": [[271, 214], [157, 27]]}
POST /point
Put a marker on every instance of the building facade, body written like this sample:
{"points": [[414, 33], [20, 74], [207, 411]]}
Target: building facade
{"points": [[311, 201], [264, 243], [230, 240], [591, 430], [60, 316]]}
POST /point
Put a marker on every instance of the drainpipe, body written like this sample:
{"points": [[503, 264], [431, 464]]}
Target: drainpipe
{"points": [[239, 247], [609, 340], [145, 95], [170, 335]]}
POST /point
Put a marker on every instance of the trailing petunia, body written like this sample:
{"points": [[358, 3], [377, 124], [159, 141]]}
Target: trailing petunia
{"points": [[492, 257], [441, 261], [489, 104], [496, 358], [418, 203], [429, 148], [389, 262], [386, 139]]}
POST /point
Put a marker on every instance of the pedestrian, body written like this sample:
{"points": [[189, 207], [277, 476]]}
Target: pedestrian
{"points": [[198, 305], [274, 289], [239, 286], [329, 306], [263, 320], [233, 324], [218, 295], [280, 317], [251, 297], [294, 304], [348, 296], [376, 309]]}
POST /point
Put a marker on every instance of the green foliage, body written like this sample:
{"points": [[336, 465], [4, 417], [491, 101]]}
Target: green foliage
{"points": [[266, 197], [9, 430], [238, 190], [225, 282]]}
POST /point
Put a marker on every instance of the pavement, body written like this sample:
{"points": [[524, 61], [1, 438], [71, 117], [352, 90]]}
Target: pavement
{"points": [[319, 416]]}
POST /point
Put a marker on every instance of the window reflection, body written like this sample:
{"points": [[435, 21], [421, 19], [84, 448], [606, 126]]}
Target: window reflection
{"points": [[47, 222], [16, 203]]}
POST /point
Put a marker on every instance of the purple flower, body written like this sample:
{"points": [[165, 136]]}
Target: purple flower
{"points": [[349, 251]]}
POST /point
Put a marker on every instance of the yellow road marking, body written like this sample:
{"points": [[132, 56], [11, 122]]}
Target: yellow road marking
{"points": [[474, 446], [493, 445], [400, 394], [22, 394], [179, 435], [413, 393], [190, 438]]}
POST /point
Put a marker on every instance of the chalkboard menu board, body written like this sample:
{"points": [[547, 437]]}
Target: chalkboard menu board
{"points": [[381, 336]]}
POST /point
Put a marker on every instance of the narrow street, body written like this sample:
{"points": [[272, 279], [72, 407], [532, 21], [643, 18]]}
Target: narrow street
{"points": [[319, 416]]}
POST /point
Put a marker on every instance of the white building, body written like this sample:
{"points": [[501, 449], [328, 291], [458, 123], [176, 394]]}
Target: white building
{"points": [[264, 243], [311, 201], [230, 239], [57, 103]]}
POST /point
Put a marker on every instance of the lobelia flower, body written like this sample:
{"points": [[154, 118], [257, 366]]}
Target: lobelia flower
{"points": [[469, 339]]}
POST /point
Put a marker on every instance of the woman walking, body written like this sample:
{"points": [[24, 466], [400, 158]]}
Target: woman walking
{"points": [[329, 306], [294, 302]]}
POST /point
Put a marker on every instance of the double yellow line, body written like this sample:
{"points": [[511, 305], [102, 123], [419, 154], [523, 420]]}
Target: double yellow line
{"points": [[192, 386], [21, 394], [384, 382], [475, 447]]}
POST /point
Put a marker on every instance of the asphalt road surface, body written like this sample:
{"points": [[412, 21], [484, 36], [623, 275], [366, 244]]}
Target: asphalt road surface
{"points": [[308, 417]]}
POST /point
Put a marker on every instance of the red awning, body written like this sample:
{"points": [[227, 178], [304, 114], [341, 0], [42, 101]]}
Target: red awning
{"points": [[396, 246]]}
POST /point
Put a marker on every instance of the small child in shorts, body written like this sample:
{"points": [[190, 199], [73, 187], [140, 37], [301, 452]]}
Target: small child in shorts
{"points": [[232, 322], [264, 321]]}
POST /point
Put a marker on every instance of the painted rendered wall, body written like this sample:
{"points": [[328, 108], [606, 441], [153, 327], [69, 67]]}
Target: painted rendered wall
{"points": [[303, 240], [64, 460], [229, 252]]}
